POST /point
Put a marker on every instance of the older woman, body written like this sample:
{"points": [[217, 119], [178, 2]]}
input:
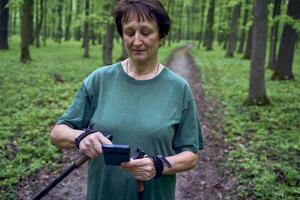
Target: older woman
{"points": [[142, 104]]}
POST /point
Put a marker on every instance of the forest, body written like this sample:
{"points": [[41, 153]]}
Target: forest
{"points": [[247, 53]]}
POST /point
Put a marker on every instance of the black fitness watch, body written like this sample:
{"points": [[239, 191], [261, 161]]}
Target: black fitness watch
{"points": [[85, 133]]}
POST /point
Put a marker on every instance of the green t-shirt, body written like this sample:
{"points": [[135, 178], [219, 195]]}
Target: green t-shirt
{"points": [[157, 115]]}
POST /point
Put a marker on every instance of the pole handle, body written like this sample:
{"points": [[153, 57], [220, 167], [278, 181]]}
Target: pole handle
{"points": [[81, 160]]}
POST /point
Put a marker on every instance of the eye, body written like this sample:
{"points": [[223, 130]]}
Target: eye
{"points": [[146, 32], [129, 32]]}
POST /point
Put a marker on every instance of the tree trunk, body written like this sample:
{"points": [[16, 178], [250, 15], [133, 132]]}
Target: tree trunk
{"points": [[39, 23], [59, 32], [45, 27], [284, 63], [86, 36], [224, 38], [53, 22], [274, 35], [220, 29], [233, 30], [209, 33], [178, 32], [78, 34], [257, 91], [248, 50], [68, 21], [108, 44], [203, 4], [243, 30], [4, 16], [13, 21], [189, 22], [26, 29]]}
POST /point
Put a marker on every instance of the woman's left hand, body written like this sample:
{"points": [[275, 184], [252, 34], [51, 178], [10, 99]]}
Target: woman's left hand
{"points": [[142, 169]]}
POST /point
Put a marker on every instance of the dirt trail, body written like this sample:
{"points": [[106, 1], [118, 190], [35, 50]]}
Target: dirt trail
{"points": [[207, 181]]}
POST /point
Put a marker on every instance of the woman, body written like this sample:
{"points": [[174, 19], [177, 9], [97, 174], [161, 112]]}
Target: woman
{"points": [[142, 104]]}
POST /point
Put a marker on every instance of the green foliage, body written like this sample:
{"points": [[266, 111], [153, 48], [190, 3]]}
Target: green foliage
{"points": [[32, 98], [265, 140]]}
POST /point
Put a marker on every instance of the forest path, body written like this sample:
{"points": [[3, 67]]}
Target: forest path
{"points": [[206, 181]]}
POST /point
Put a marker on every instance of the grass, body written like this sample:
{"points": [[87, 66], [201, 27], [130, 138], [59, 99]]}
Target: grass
{"points": [[265, 140], [32, 98]]}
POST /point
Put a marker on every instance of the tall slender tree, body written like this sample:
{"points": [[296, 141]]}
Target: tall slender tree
{"points": [[4, 16], [77, 33], [26, 29], [59, 32], [274, 35], [86, 34], [109, 36], [39, 21], [45, 24], [233, 29], [257, 90], [284, 65], [200, 39], [243, 29], [248, 50], [209, 33], [68, 19]]}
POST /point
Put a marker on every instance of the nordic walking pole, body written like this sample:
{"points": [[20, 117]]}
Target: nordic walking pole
{"points": [[76, 164], [140, 185]]}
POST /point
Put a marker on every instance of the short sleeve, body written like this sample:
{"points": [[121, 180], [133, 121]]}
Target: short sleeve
{"points": [[188, 136], [78, 114]]}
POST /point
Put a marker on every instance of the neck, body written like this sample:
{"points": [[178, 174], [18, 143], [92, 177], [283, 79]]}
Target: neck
{"points": [[143, 68], [142, 71]]}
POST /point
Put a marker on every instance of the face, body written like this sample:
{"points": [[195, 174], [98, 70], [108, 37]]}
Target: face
{"points": [[141, 39]]}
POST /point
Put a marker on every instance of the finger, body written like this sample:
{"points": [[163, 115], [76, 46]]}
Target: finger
{"points": [[89, 148], [103, 139], [129, 164], [97, 146]]}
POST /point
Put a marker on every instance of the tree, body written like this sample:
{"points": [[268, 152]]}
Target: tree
{"points": [[26, 29], [77, 33], [45, 30], [257, 91], [4, 16], [68, 20], [203, 4], [248, 50], [284, 63], [39, 21], [209, 33], [59, 33], [86, 34], [243, 30], [274, 35], [108, 37], [233, 30]]}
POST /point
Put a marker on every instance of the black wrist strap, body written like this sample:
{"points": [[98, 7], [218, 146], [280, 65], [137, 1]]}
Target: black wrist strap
{"points": [[159, 163], [86, 132]]}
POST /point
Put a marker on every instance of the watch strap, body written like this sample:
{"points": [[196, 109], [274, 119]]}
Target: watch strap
{"points": [[86, 132]]}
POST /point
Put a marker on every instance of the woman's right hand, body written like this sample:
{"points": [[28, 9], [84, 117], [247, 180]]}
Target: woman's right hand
{"points": [[91, 145]]}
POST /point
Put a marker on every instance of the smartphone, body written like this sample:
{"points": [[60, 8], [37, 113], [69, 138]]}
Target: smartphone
{"points": [[115, 154]]}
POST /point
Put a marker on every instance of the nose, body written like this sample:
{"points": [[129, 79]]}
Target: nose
{"points": [[137, 39]]}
